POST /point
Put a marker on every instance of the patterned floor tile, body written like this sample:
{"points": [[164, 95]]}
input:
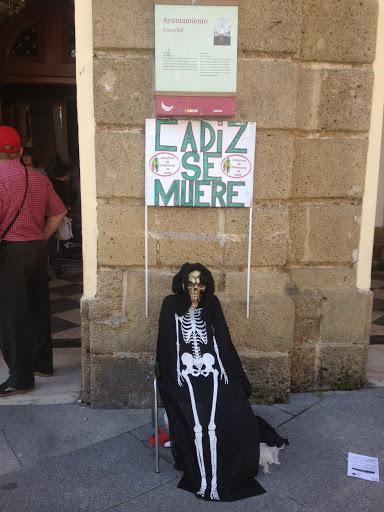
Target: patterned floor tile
{"points": [[378, 304], [69, 289], [69, 334], [377, 330], [377, 340], [376, 284], [379, 320], [64, 304], [66, 343], [72, 315], [59, 324], [376, 315], [378, 274], [75, 277], [378, 293]]}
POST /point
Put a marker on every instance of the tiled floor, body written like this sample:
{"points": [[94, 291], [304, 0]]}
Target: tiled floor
{"points": [[377, 330], [375, 363], [65, 296]]}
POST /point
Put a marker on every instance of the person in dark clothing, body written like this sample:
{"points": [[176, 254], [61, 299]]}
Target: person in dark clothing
{"points": [[62, 186], [216, 439], [30, 212]]}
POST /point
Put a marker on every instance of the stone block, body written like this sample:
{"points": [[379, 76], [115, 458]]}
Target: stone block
{"points": [[269, 326], [267, 26], [121, 235], [268, 374], [322, 277], [334, 99], [346, 316], [262, 282], [187, 223], [327, 233], [273, 166], [306, 332], [130, 330], [267, 92], [123, 24], [175, 252], [269, 236], [345, 102], [108, 299], [189, 234], [119, 95], [342, 367], [343, 31], [303, 372], [308, 97], [122, 380], [329, 167], [119, 164], [307, 304]]}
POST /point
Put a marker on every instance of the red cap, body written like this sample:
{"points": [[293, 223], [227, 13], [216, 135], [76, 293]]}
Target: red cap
{"points": [[9, 140]]}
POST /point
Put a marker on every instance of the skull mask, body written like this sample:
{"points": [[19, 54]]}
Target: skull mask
{"points": [[195, 287]]}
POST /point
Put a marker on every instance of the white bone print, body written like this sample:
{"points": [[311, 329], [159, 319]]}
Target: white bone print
{"points": [[200, 363]]}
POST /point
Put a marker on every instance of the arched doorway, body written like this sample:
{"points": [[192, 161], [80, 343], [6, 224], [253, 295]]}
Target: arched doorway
{"points": [[38, 97]]}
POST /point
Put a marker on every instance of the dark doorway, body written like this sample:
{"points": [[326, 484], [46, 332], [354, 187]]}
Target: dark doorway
{"points": [[38, 98]]}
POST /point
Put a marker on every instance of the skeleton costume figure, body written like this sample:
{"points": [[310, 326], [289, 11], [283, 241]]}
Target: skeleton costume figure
{"points": [[216, 439]]}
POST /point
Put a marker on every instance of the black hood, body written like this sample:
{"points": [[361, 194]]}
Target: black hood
{"points": [[180, 287]]}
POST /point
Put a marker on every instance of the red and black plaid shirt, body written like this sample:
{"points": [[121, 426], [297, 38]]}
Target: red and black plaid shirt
{"points": [[41, 202]]}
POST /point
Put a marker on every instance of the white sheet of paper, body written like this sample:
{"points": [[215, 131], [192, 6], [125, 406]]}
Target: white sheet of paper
{"points": [[362, 466]]}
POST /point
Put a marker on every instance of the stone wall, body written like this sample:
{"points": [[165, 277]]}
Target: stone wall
{"points": [[304, 75]]}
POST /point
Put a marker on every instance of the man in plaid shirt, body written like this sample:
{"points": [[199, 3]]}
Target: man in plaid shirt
{"points": [[25, 338]]}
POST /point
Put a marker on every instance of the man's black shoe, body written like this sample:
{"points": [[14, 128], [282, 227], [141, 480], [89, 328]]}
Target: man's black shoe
{"points": [[7, 390]]}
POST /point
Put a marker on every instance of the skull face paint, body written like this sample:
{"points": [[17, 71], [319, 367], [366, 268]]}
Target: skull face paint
{"points": [[195, 287]]}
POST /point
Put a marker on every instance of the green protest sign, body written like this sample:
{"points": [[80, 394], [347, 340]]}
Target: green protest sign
{"points": [[199, 163]]}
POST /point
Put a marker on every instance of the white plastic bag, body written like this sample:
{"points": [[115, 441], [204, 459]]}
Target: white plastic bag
{"points": [[64, 231]]}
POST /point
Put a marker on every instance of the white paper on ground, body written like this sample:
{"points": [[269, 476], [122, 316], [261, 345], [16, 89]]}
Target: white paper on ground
{"points": [[362, 466]]}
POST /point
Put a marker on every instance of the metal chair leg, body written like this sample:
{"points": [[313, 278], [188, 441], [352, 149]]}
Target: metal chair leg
{"points": [[156, 424]]}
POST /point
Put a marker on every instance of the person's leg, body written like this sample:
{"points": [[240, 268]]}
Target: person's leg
{"points": [[53, 255], [39, 303], [16, 336]]}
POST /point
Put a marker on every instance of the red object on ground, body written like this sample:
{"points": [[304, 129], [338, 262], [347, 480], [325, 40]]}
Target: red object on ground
{"points": [[195, 106], [163, 437]]}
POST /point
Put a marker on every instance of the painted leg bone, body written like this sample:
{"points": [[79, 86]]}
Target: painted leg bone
{"points": [[198, 436], [213, 439]]}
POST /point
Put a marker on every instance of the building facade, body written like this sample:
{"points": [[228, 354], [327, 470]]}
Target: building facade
{"points": [[306, 76]]}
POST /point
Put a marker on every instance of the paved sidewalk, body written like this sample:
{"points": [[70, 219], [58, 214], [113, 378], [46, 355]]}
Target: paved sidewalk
{"points": [[68, 458]]}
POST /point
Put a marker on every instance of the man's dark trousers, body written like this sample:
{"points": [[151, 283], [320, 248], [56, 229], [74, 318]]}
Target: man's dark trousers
{"points": [[25, 338]]}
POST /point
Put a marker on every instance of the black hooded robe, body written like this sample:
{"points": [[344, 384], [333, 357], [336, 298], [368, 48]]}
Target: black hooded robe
{"points": [[239, 432]]}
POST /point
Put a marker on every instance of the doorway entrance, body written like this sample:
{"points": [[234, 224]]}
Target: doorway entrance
{"points": [[375, 364], [38, 98]]}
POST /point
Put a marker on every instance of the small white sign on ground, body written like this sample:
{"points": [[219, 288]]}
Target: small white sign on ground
{"points": [[362, 466]]}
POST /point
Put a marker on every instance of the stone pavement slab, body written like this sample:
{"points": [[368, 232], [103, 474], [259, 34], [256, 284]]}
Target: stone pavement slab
{"points": [[363, 497], [273, 415], [168, 498], [300, 402], [118, 474], [46, 431], [313, 467], [63, 388], [8, 460], [92, 479], [365, 407]]}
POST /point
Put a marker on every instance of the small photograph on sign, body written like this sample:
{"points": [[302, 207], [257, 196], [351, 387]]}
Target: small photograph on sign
{"points": [[222, 32], [236, 166], [164, 164]]}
